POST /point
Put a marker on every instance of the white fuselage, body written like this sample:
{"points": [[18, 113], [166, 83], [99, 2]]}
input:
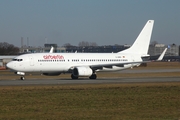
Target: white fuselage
{"points": [[63, 62]]}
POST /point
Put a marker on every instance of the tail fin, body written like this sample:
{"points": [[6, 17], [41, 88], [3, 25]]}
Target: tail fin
{"points": [[141, 45]]}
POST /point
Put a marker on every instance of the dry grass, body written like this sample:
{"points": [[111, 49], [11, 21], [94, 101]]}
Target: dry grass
{"points": [[162, 65], [97, 101], [147, 101]]}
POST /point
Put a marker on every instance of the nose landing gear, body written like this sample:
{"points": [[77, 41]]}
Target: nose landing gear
{"points": [[22, 78], [22, 75]]}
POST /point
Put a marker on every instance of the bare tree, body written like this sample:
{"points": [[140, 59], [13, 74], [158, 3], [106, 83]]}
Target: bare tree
{"points": [[154, 42], [83, 43], [8, 49], [93, 44], [67, 45]]}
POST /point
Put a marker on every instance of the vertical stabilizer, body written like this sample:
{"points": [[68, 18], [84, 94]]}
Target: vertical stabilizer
{"points": [[141, 45]]}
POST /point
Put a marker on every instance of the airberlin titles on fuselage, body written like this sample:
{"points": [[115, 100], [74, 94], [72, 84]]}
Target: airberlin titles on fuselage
{"points": [[55, 57]]}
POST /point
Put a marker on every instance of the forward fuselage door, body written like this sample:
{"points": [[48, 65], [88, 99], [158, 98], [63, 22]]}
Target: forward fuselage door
{"points": [[31, 60]]}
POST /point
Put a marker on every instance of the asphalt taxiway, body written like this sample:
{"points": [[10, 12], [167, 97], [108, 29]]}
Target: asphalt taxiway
{"points": [[86, 81]]}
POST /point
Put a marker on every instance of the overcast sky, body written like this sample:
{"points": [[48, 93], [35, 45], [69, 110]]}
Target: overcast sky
{"points": [[106, 22]]}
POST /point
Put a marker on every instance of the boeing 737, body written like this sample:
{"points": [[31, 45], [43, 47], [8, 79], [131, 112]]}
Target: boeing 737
{"points": [[84, 64]]}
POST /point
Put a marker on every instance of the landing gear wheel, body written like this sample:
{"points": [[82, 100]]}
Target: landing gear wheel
{"points": [[93, 76], [74, 77], [22, 78]]}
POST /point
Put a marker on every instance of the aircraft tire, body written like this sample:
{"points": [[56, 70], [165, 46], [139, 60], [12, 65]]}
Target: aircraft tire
{"points": [[74, 77], [93, 76], [22, 78]]}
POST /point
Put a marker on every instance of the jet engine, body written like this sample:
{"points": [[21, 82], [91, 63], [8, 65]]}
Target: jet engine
{"points": [[52, 74], [82, 71]]}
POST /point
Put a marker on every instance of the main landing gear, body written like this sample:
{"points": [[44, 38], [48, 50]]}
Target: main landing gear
{"points": [[93, 76], [74, 77]]}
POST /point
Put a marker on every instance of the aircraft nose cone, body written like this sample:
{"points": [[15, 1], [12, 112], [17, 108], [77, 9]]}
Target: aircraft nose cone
{"points": [[9, 65]]}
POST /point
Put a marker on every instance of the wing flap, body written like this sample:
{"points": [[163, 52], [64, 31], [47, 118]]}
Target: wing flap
{"points": [[110, 65]]}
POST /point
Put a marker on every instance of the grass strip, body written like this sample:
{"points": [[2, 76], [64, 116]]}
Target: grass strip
{"points": [[145, 101]]}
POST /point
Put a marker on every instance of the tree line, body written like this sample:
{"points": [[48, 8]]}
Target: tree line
{"points": [[82, 44], [8, 49]]}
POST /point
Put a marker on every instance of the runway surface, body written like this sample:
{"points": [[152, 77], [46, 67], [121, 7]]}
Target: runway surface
{"points": [[149, 70], [86, 81], [100, 80]]}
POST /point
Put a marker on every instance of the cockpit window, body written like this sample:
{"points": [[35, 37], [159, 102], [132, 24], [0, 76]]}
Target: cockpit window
{"points": [[18, 60]]}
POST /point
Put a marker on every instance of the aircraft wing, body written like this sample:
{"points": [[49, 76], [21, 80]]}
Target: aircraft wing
{"points": [[95, 67], [110, 65]]}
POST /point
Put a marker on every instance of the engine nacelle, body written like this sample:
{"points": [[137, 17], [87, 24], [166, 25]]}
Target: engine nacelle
{"points": [[52, 74], [82, 71]]}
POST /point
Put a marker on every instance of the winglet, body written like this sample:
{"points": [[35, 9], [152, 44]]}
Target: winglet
{"points": [[162, 55], [51, 50]]}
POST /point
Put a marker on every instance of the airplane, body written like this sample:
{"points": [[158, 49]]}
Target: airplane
{"points": [[85, 64]]}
